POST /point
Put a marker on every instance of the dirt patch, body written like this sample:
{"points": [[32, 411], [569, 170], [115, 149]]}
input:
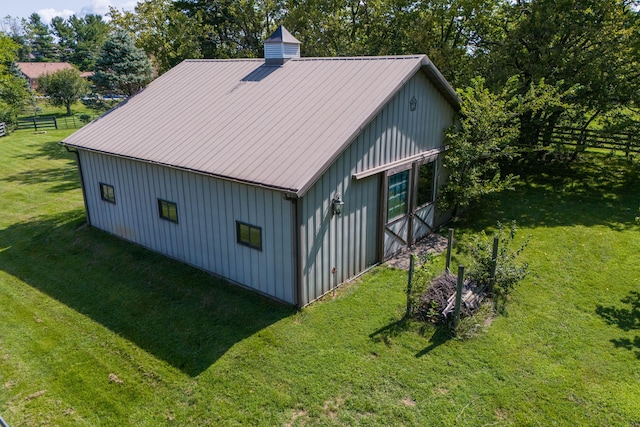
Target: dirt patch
{"points": [[433, 243], [408, 401]]}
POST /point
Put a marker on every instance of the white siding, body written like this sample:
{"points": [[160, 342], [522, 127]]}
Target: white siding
{"points": [[350, 242], [208, 208]]}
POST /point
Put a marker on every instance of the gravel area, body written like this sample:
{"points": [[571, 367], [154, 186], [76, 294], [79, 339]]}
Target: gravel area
{"points": [[433, 243]]}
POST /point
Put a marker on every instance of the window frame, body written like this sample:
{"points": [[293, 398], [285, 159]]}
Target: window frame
{"points": [[104, 187], [248, 243], [167, 216], [432, 192], [405, 192]]}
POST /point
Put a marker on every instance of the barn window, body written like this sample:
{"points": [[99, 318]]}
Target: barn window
{"points": [[249, 235], [168, 210], [107, 193], [398, 190], [426, 177]]}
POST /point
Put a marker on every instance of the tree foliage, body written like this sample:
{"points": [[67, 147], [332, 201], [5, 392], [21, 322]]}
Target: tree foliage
{"points": [[40, 39], [122, 68], [477, 143], [588, 50], [80, 39], [14, 91], [63, 87], [163, 32]]}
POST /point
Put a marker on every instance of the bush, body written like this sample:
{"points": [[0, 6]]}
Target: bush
{"points": [[508, 271]]}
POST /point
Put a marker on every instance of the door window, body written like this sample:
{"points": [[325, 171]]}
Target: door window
{"points": [[426, 173], [398, 191]]}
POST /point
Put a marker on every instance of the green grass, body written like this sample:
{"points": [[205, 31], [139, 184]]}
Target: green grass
{"points": [[96, 331]]}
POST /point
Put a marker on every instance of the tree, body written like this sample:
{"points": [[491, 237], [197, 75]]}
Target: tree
{"points": [[15, 28], [63, 87], [122, 68], [166, 34], [482, 138], [14, 91], [587, 49], [40, 39], [66, 40]]}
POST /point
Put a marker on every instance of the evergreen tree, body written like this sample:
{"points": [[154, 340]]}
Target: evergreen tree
{"points": [[122, 68], [40, 39]]}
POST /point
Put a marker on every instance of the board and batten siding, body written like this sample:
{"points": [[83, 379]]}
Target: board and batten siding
{"points": [[208, 208], [349, 242]]}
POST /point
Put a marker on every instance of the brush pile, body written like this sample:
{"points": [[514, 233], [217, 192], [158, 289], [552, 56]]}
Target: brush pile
{"points": [[436, 304]]}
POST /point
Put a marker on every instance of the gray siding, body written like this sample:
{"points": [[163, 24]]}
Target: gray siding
{"points": [[350, 242], [208, 208]]}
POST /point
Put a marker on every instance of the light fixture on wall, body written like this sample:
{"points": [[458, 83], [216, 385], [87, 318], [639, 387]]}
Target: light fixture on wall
{"points": [[337, 204]]}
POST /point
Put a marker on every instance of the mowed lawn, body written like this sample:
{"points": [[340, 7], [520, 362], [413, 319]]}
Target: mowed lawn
{"points": [[97, 331]]}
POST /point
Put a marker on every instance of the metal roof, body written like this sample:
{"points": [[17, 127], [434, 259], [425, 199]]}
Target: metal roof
{"points": [[279, 127], [281, 35]]}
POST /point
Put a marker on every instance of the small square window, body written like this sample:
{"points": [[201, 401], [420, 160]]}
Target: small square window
{"points": [[168, 210], [107, 193], [249, 235]]}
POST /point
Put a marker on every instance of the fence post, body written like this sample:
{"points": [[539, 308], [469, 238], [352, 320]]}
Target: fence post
{"points": [[55, 122], [494, 263], [35, 124], [456, 307], [410, 286], [449, 244]]}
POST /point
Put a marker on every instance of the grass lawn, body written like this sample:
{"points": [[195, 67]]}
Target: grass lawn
{"points": [[97, 331]]}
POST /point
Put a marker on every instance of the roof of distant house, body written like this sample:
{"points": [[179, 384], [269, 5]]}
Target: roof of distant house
{"points": [[33, 70], [275, 126]]}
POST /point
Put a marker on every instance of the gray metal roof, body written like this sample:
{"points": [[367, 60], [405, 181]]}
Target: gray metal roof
{"points": [[281, 35], [279, 127]]}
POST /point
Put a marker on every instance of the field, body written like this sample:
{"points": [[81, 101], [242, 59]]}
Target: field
{"points": [[97, 331]]}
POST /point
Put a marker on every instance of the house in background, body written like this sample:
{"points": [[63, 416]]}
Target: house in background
{"points": [[285, 175], [34, 70]]}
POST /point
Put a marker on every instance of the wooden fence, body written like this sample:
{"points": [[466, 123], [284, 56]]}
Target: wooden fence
{"points": [[588, 138], [51, 122], [37, 123]]}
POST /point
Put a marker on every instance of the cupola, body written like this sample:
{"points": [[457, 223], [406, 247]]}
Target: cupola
{"points": [[280, 46]]}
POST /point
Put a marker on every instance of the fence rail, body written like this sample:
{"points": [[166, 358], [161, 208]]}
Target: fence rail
{"points": [[589, 138], [37, 123], [51, 122]]}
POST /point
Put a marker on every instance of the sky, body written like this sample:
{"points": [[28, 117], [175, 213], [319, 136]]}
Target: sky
{"points": [[47, 9]]}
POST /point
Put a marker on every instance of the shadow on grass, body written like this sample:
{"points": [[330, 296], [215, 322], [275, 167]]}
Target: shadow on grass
{"points": [[66, 178], [595, 189], [441, 334], [626, 318], [177, 313]]}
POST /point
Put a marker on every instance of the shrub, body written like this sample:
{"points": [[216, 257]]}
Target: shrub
{"points": [[508, 271]]}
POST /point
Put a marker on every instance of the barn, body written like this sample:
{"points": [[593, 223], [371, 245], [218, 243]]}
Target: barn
{"points": [[285, 175]]}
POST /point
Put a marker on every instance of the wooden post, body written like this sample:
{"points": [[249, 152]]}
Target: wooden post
{"points": [[410, 286], [456, 307], [449, 244], [334, 272], [494, 263]]}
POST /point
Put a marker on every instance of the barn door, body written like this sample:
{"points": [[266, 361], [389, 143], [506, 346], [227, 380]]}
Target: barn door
{"points": [[424, 206], [409, 206]]}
